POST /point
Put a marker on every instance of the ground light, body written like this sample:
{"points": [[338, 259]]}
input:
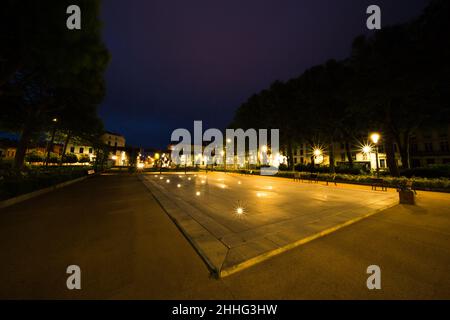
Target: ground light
{"points": [[168, 181], [178, 185], [197, 193], [239, 210]]}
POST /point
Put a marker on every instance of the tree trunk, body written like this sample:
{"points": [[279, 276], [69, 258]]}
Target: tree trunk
{"points": [[348, 152], [290, 156], [66, 142], [22, 147], [331, 155], [403, 147], [390, 155]]}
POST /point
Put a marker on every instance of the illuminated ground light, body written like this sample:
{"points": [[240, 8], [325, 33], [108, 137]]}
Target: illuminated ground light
{"points": [[260, 194], [189, 178], [198, 193], [239, 210], [178, 185], [203, 181], [222, 186], [160, 178], [156, 176], [168, 181], [239, 182]]}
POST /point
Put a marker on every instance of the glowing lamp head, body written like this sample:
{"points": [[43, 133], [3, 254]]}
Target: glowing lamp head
{"points": [[367, 149], [375, 137], [317, 152], [264, 149], [239, 211]]}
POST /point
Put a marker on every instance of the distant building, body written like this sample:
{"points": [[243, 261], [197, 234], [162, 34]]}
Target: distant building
{"points": [[430, 146]]}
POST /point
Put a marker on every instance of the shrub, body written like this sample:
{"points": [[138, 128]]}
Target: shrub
{"points": [[436, 171], [14, 183], [69, 158], [34, 157], [53, 158], [84, 158]]}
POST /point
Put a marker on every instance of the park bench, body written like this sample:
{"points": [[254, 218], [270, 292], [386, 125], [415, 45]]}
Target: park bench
{"points": [[311, 177], [378, 182]]}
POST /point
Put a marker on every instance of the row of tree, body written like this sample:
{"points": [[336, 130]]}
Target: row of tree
{"points": [[395, 81], [51, 78]]}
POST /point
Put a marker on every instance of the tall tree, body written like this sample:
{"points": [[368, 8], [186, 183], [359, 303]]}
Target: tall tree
{"points": [[49, 68]]}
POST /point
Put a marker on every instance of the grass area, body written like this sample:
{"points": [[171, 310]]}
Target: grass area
{"points": [[13, 183]]}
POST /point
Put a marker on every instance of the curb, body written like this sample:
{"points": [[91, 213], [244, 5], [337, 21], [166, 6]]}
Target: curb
{"points": [[27, 196], [269, 254]]}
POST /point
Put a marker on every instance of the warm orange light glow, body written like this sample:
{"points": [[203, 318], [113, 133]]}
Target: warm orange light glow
{"points": [[375, 137]]}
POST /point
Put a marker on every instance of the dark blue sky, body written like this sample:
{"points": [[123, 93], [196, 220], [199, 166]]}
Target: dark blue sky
{"points": [[176, 61]]}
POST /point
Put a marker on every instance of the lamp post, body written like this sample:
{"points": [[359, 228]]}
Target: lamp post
{"points": [[50, 145], [375, 137]]}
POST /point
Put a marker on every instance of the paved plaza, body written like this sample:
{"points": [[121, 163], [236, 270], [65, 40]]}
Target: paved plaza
{"points": [[235, 221]]}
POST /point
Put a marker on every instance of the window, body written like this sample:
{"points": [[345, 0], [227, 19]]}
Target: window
{"points": [[302, 160], [109, 143], [343, 157], [72, 149], [430, 161], [428, 147], [81, 150], [301, 152], [115, 144], [382, 163], [295, 160], [444, 146], [90, 150]]}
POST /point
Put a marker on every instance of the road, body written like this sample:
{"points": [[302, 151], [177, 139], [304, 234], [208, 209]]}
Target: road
{"points": [[127, 247]]}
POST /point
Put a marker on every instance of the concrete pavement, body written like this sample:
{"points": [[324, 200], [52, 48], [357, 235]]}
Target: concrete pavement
{"points": [[278, 214], [127, 247]]}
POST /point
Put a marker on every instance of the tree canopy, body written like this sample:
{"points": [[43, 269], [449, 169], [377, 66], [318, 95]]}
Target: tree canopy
{"points": [[395, 81], [48, 71]]}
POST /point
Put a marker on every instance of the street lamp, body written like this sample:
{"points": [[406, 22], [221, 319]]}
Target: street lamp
{"points": [[375, 137]]}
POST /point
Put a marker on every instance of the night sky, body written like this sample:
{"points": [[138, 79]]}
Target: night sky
{"points": [[176, 61]]}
